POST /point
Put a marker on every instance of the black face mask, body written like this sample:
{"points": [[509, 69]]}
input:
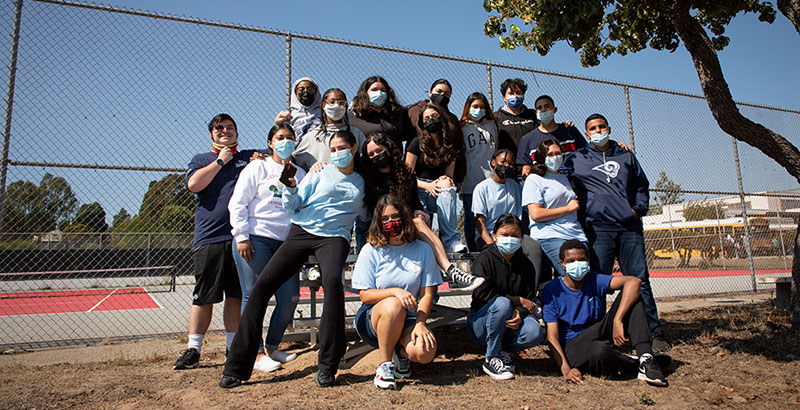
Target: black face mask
{"points": [[381, 160], [306, 98], [433, 125], [504, 171], [440, 100]]}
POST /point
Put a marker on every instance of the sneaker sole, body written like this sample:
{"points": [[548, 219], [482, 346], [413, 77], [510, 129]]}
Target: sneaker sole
{"points": [[385, 385], [652, 382], [474, 285], [189, 367], [498, 376]]}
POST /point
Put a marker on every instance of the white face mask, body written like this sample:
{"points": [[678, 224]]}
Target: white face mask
{"points": [[335, 112], [600, 139], [554, 163]]}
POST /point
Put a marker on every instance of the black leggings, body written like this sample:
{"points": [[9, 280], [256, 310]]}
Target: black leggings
{"points": [[331, 252], [593, 350]]}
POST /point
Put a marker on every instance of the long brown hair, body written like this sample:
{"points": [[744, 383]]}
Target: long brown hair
{"points": [[446, 150], [361, 105], [376, 237]]}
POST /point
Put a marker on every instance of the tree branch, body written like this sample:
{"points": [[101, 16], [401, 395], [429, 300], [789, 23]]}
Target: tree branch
{"points": [[791, 9], [719, 97]]}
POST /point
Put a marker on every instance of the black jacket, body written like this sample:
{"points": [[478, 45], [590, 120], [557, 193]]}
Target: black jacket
{"points": [[513, 279]]}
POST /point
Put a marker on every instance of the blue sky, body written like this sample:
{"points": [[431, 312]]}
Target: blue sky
{"points": [[94, 87]]}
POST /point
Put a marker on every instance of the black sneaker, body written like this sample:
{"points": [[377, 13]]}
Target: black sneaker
{"points": [[649, 371], [324, 378], [664, 361], [190, 359], [495, 368], [229, 382], [508, 360], [463, 280]]}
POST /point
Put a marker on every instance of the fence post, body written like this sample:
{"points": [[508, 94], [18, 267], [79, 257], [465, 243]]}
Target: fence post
{"points": [[12, 77], [780, 233], [719, 233], [744, 215], [489, 85], [630, 118], [288, 69], [672, 238]]}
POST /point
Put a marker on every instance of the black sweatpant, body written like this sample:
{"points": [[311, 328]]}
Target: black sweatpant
{"points": [[593, 350], [331, 252]]}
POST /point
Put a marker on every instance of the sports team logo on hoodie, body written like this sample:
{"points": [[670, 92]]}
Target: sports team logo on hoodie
{"points": [[610, 168]]}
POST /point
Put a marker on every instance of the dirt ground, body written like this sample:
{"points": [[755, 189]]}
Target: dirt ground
{"points": [[739, 356]]}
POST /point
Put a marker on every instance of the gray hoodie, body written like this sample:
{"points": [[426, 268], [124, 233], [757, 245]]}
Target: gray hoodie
{"points": [[315, 147], [304, 118]]}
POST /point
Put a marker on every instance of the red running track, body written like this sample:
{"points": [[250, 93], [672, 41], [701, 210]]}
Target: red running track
{"points": [[70, 301]]}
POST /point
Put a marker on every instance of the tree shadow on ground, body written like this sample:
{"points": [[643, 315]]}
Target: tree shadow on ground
{"points": [[757, 329]]}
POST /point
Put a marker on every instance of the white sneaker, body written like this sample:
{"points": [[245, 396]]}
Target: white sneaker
{"points": [[267, 364], [282, 357], [384, 376]]}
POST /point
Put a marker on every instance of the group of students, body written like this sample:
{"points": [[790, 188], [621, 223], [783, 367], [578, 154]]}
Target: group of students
{"points": [[384, 171]]}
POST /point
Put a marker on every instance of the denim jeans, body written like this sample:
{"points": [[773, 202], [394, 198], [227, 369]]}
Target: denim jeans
{"points": [[628, 248], [551, 247], [469, 223], [445, 207], [285, 298], [487, 326]]}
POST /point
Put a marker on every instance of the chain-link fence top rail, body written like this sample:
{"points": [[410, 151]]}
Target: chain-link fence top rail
{"points": [[110, 104]]}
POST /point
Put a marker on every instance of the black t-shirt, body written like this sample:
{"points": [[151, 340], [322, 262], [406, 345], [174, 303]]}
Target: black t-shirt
{"points": [[569, 138], [421, 168]]}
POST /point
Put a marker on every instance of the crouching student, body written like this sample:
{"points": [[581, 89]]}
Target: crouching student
{"points": [[582, 335], [503, 312], [396, 276]]}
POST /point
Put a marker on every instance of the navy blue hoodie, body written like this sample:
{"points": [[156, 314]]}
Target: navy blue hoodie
{"points": [[609, 186]]}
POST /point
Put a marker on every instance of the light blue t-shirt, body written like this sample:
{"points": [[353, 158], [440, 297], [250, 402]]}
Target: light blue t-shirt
{"points": [[326, 203], [410, 266], [492, 200], [552, 191]]}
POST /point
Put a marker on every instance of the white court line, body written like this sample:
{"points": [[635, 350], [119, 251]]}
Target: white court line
{"points": [[160, 306], [104, 299]]}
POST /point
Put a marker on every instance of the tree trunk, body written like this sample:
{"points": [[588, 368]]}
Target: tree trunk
{"points": [[791, 9], [730, 120]]}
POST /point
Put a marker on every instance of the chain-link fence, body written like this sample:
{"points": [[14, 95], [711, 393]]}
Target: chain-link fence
{"points": [[110, 104]]}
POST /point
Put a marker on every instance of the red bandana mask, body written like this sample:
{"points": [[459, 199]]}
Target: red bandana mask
{"points": [[216, 148], [393, 228]]}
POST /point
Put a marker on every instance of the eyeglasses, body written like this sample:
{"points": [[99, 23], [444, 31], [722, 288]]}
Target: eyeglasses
{"points": [[336, 102]]}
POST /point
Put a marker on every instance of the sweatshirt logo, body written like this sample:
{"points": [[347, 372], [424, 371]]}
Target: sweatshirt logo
{"points": [[610, 168]]}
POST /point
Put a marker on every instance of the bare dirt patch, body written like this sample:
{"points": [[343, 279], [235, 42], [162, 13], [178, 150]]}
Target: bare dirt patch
{"points": [[737, 356]]}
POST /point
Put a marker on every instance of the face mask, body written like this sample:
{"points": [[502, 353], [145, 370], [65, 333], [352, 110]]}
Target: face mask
{"points": [[577, 270], [508, 244], [342, 158], [381, 160], [306, 98], [600, 139], [515, 101], [477, 113], [433, 124], [546, 117], [393, 228], [440, 100], [554, 163], [284, 148], [377, 98], [504, 171], [335, 112]]}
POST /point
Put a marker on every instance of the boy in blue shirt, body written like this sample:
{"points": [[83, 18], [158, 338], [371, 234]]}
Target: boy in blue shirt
{"points": [[582, 336], [613, 193]]}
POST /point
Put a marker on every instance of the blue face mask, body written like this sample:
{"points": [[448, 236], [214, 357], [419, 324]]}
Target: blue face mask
{"points": [[342, 158], [546, 117], [284, 148], [577, 270], [377, 98], [508, 245], [600, 139], [477, 113], [515, 101]]}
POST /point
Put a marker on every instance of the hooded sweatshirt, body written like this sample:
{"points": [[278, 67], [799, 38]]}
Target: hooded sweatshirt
{"points": [[512, 279], [316, 146], [304, 118], [610, 185]]}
